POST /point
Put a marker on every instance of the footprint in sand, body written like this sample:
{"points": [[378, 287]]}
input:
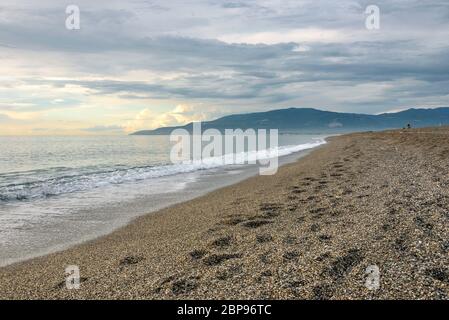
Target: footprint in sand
{"points": [[440, 274], [325, 237], [342, 265], [290, 255], [222, 242], [322, 292], [256, 223], [184, 286], [197, 254], [230, 272], [130, 260], [264, 238], [216, 259], [270, 210]]}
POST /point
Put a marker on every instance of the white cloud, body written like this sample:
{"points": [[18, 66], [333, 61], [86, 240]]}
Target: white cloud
{"points": [[298, 36], [180, 115]]}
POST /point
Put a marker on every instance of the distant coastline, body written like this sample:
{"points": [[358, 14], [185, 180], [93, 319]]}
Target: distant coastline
{"points": [[312, 121]]}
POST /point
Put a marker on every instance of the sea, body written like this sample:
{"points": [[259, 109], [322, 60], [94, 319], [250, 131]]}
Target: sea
{"points": [[59, 191]]}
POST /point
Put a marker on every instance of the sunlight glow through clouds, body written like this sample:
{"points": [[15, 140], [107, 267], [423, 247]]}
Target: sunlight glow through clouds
{"points": [[180, 115]]}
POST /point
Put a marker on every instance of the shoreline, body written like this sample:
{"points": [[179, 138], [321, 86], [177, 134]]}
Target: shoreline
{"points": [[309, 232], [200, 186]]}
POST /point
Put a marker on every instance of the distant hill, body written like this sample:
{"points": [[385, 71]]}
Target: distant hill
{"points": [[307, 120]]}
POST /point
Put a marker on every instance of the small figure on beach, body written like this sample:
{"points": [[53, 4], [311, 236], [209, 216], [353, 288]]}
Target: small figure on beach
{"points": [[409, 126]]}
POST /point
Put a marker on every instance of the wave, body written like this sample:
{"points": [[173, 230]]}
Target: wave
{"points": [[71, 183]]}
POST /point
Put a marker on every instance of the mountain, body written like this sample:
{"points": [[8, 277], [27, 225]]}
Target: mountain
{"points": [[307, 120]]}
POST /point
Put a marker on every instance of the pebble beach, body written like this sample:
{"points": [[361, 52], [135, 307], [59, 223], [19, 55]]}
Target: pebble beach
{"points": [[363, 200]]}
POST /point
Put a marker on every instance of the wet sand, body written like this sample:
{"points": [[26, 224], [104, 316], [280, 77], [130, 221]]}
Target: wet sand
{"points": [[309, 232]]}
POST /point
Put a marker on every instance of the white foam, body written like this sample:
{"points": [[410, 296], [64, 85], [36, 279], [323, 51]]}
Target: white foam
{"points": [[83, 182]]}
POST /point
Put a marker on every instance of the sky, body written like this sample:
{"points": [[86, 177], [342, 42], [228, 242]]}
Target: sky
{"points": [[144, 64]]}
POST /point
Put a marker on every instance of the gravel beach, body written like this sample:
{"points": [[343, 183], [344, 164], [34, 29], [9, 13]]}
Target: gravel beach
{"points": [[309, 232]]}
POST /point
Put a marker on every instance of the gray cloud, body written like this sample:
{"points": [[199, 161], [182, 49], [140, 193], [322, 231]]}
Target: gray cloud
{"points": [[399, 65]]}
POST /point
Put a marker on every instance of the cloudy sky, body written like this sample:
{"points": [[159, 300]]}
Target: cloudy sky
{"points": [[144, 64]]}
